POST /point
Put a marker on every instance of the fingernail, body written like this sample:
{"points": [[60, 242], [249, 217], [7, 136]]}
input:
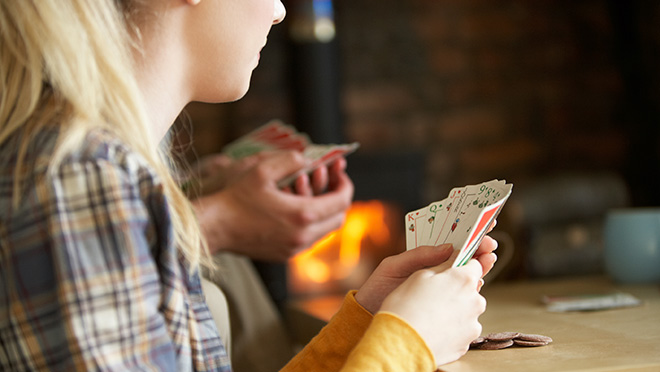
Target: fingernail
{"points": [[446, 247], [480, 284], [494, 256]]}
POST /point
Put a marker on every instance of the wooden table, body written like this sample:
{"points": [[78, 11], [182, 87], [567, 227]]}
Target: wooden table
{"points": [[625, 339]]}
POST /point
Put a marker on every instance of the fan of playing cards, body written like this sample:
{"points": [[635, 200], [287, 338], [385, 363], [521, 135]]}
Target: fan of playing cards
{"points": [[279, 136], [461, 219]]}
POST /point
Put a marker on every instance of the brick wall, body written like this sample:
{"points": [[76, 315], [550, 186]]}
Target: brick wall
{"points": [[484, 89]]}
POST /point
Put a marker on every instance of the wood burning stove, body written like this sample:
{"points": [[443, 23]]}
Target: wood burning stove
{"points": [[390, 179]]}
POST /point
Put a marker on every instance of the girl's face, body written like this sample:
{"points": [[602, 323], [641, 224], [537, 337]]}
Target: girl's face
{"points": [[225, 39]]}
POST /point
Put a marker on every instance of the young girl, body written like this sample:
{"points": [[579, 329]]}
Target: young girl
{"points": [[100, 249]]}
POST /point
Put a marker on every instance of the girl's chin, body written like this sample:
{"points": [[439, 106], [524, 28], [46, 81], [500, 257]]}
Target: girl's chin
{"points": [[242, 92], [225, 93], [237, 95]]}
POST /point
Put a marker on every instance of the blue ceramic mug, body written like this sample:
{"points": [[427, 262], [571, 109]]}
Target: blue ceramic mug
{"points": [[632, 245]]}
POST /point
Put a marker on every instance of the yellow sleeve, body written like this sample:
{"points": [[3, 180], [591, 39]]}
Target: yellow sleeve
{"points": [[330, 348], [353, 342], [390, 345]]}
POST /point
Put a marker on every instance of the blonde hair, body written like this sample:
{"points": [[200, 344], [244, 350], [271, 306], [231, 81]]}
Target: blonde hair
{"points": [[70, 60]]}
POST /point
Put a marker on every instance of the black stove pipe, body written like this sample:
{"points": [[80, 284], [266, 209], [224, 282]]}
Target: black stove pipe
{"points": [[314, 69], [314, 77]]}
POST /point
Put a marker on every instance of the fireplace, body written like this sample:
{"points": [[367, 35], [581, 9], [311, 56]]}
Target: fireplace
{"points": [[344, 258], [387, 183]]}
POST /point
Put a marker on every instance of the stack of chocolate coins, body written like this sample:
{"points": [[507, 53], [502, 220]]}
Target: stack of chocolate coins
{"points": [[502, 340]]}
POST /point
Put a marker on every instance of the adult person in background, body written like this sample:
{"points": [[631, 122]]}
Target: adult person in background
{"points": [[242, 209], [287, 221]]}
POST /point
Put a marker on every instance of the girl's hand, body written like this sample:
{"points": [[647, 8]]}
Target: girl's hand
{"points": [[443, 305], [394, 270]]}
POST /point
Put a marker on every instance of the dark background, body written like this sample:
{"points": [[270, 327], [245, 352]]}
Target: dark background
{"points": [[463, 91]]}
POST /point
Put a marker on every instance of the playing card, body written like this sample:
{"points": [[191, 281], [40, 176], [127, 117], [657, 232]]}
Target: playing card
{"points": [[436, 211], [485, 219], [414, 221], [276, 135], [411, 220], [462, 218], [450, 218], [320, 155], [245, 147], [281, 136]]}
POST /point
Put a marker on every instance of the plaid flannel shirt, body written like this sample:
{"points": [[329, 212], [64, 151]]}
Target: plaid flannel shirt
{"points": [[90, 278]]}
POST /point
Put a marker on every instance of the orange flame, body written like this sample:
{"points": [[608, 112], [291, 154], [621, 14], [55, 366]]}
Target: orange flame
{"points": [[337, 255]]}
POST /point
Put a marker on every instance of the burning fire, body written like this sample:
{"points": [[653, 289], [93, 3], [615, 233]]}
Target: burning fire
{"points": [[337, 256]]}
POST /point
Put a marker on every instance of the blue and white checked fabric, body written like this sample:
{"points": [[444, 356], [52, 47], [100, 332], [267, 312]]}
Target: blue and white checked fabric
{"points": [[90, 278]]}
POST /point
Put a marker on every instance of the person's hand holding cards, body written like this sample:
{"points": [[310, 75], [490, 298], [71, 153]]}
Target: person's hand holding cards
{"points": [[277, 136], [318, 181], [240, 190], [462, 219]]}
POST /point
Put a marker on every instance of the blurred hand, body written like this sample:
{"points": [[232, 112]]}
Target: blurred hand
{"points": [[216, 171], [443, 305], [250, 215]]}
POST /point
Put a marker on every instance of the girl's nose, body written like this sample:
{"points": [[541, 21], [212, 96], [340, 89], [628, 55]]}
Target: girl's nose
{"points": [[279, 12]]}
